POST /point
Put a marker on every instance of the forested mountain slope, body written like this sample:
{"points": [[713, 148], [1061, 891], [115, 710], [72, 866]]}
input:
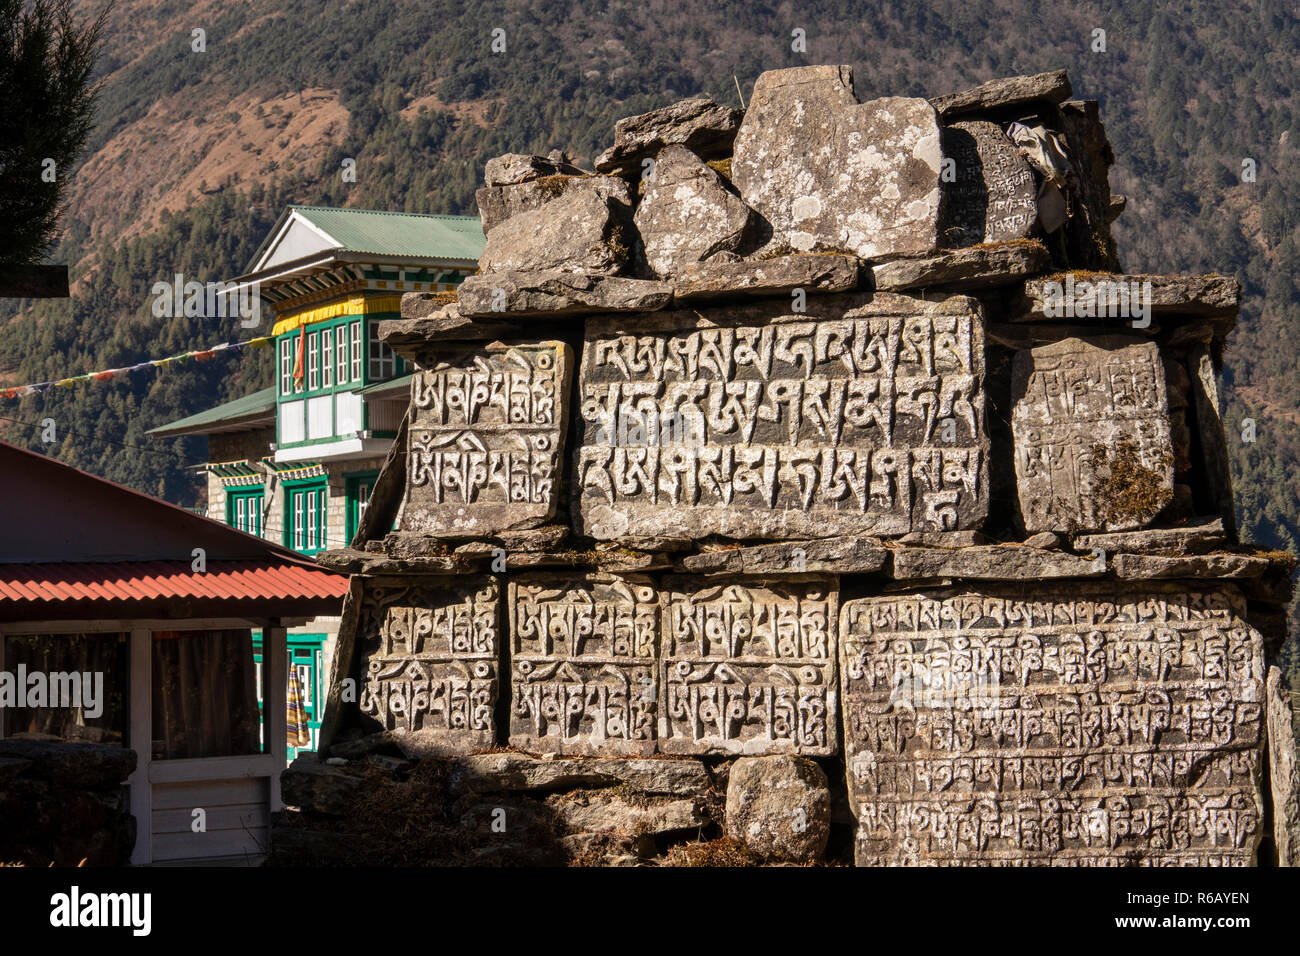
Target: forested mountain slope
{"points": [[195, 153]]}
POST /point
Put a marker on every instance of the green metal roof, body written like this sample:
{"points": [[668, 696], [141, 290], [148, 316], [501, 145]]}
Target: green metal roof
{"points": [[399, 233], [258, 404], [391, 385]]}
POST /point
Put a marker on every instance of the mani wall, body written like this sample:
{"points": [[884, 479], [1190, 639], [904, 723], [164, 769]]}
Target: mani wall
{"points": [[811, 482]]}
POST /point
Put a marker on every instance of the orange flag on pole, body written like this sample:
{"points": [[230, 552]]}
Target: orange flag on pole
{"points": [[300, 360]]}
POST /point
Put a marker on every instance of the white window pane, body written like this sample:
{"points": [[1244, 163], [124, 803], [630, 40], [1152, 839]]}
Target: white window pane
{"points": [[341, 337]]}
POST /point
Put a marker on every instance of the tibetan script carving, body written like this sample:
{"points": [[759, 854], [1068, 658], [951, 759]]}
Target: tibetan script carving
{"points": [[748, 668], [486, 435], [584, 655], [429, 661], [1076, 406], [862, 416], [1086, 725], [992, 197]]}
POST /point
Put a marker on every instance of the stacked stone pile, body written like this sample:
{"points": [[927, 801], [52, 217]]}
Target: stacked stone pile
{"points": [[823, 449]]}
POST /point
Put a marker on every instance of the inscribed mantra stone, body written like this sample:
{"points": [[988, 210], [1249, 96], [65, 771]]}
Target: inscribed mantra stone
{"points": [[486, 436], [1074, 400], [1089, 725], [993, 196], [749, 668], [864, 415], [584, 662], [429, 661]]}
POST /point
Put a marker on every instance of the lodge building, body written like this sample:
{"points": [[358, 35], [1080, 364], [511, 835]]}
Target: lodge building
{"points": [[295, 463]]}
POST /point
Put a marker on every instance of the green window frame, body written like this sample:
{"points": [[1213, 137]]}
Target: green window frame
{"points": [[245, 508], [305, 512], [358, 488], [307, 656]]}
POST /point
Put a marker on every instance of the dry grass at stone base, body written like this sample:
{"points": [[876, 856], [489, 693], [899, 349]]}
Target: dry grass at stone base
{"points": [[721, 166], [723, 851]]}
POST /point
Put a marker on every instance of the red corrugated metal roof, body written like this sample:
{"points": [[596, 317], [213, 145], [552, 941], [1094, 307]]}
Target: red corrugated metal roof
{"points": [[146, 580]]}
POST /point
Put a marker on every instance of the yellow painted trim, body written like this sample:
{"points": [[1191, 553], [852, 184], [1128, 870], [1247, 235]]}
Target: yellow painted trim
{"points": [[353, 305]]}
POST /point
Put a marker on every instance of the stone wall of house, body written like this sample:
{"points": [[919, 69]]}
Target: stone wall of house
{"points": [[805, 483], [63, 803]]}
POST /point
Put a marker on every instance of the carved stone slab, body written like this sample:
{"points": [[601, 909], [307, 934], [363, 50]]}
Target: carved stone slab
{"points": [[1284, 771], [993, 197], [861, 416], [749, 668], [1077, 404], [1087, 724], [584, 658], [428, 652], [486, 435]]}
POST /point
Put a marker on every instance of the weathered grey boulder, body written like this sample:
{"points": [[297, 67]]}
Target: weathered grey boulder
{"points": [[515, 168], [781, 275], [779, 807], [557, 292], [701, 125], [485, 773], [496, 204], [688, 214], [982, 267], [311, 784], [579, 231], [1053, 87], [832, 174]]}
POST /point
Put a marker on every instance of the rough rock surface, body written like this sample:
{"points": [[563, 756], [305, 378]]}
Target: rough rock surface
{"points": [[314, 785], [596, 810], [514, 168], [558, 292], [1226, 566], [779, 807], [1005, 92], [834, 175], [1175, 295], [580, 231], [993, 563], [780, 275], [496, 204], [688, 214], [982, 267], [484, 773], [701, 125], [842, 555], [555, 292], [1284, 771], [1195, 537]]}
